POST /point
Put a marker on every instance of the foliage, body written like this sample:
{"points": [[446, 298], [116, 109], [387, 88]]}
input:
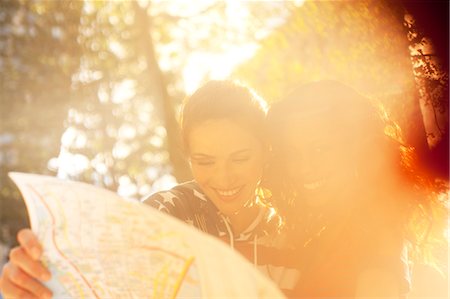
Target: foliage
{"points": [[366, 45], [91, 90], [38, 53]]}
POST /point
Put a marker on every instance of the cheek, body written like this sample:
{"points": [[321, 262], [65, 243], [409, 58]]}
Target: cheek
{"points": [[200, 174], [257, 172], [255, 169], [248, 173]]}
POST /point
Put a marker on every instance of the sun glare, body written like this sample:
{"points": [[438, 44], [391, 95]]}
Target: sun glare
{"points": [[214, 65]]}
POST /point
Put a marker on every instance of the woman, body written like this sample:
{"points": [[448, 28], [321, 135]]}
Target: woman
{"points": [[223, 132], [222, 129], [349, 190]]}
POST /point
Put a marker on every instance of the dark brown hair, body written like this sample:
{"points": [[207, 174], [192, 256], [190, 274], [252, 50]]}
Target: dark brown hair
{"points": [[225, 99], [418, 211]]}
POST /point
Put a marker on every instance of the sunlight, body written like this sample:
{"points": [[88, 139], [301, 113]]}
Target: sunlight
{"points": [[215, 65], [127, 131], [121, 150], [116, 48], [241, 41], [98, 92], [299, 3], [220, 36], [124, 91], [71, 165], [165, 182], [73, 138], [126, 187]]}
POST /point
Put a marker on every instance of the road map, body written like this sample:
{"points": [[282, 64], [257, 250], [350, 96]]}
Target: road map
{"points": [[99, 245]]}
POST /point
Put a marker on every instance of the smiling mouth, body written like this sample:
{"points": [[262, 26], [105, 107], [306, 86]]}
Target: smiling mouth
{"points": [[314, 185], [228, 192]]}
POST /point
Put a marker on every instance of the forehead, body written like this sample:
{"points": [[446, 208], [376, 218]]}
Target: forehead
{"points": [[306, 126], [221, 137], [309, 131]]}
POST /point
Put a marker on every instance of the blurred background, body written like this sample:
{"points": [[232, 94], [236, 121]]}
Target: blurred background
{"points": [[91, 90]]}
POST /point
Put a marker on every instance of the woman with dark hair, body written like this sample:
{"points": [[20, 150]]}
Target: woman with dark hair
{"points": [[349, 190], [223, 132], [340, 176], [222, 126], [222, 129]]}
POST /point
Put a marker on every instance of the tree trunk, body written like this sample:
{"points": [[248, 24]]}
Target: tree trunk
{"points": [[156, 79], [431, 21]]}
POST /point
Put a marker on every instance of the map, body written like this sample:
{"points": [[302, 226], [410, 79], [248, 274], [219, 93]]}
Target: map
{"points": [[99, 245]]}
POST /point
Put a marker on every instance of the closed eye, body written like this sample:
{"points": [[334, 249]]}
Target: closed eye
{"points": [[241, 156], [203, 162], [241, 159]]}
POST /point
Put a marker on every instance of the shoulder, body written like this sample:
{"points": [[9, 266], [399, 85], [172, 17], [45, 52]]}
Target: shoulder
{"points": [[176, 199], [191, 190], [180, 190]]}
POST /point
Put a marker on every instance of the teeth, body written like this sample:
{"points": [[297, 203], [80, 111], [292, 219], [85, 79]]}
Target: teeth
{"points": [[230, 192], [313, 185]]}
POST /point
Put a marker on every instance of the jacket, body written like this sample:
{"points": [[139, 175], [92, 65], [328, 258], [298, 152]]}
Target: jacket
{"points": [[262, 243]]}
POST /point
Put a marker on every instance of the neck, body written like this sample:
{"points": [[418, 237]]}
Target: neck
{"points": [[241, 220]]}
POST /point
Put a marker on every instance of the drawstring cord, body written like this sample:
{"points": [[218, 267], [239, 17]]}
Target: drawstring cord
{"points": [[230, 232], [231, 235]]}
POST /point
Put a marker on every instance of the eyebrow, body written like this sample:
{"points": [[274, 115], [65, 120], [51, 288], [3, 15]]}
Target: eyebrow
{"points": [[203, 156], [242, 151]]}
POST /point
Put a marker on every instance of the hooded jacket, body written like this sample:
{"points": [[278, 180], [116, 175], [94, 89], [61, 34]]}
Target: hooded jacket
{"points": [[262, 242]]}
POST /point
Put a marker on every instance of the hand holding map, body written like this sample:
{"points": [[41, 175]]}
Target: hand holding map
{"points": [[98, 245]]}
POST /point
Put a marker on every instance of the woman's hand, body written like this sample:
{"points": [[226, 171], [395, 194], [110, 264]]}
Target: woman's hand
{"points": [[21, 276]]}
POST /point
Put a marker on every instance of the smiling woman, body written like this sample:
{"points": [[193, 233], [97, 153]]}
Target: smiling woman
{"points": [[223, 131], [227, 162], [351, 191]]}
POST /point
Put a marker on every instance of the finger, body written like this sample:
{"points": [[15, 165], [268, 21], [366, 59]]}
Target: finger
{"points": [[26, 282], [28, 240], [9, 290], [19, 257]]}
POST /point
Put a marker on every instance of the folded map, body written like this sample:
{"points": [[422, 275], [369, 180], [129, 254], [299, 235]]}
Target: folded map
{"points": [[99, 245]]}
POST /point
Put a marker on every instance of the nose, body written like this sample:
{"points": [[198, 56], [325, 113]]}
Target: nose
{"points": [[225, 175], [301, 167]]}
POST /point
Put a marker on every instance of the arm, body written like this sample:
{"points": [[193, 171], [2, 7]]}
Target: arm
{"points": [[21, 276]]}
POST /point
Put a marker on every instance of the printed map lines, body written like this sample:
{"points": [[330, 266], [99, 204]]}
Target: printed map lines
{"points": [[187, 261], [56, 245], [182, 276]]}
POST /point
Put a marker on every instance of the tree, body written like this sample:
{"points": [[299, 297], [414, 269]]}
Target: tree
{"points": [[364, 44], [428, 33], [38, 53], [136, 53], [118, 135], [381, 49]]}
